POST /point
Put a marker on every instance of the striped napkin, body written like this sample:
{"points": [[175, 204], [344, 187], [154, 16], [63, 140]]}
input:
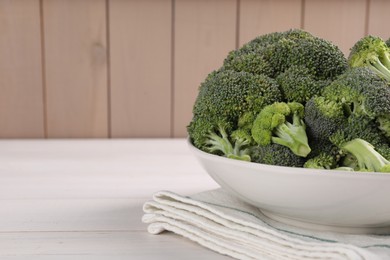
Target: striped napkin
{"points": [[221, 222]]}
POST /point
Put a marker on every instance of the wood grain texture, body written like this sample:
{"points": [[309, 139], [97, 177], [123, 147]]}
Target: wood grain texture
{"points": [[339, 21], [378, 18], [76, 68], [140, 51], [21, 99], [266, 16], [101, 246], [204, 34]]}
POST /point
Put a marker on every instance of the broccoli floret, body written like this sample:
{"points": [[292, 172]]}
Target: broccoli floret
{"points": [[323, 117], [298, 84], [272, 125], [274, 53], [363, 128], [323, 59], [223, 99], [367, 158], [321, 161], [221, 144], [248, 62], [361, 92], [373, 53], [275, 154]]}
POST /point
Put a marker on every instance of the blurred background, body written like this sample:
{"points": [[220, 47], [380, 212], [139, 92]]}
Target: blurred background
{"points": [[131, 68]]}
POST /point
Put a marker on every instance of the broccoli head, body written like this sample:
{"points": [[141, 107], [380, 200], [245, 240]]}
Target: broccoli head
{"points": [[282, 123], [367, 158], [321, 161], [373, 53], [323, 59], [225, 97], [298, 84], [323, 117], [275, 154], [362, 92]]}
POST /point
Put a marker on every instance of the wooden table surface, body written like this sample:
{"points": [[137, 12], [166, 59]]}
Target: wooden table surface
{"points": [[82, 199]]}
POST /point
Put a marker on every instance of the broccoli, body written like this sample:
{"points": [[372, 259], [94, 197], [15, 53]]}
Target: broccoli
{"points": [[275, 154], [358, 126], [324, 60], [222, 144], [272, 126], [321, 161], [248, 62], [298, 84], [368, 159], [323, 117], [225, 97], [362, 92], [274, 53], [371, 52]]}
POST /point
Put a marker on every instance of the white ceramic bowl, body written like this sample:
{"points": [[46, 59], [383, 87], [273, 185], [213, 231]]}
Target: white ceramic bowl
{"points": [[318, 199]]}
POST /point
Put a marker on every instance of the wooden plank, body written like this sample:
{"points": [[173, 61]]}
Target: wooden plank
{"points": [[264, 16], [76, 68], [339, 21], [205, 31], [100, 245], [378, 18], [140, 62], [59, 215], [21, 99], [109, 169]]}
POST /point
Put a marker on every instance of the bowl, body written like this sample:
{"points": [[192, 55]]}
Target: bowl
{"points": [[342, 201]]}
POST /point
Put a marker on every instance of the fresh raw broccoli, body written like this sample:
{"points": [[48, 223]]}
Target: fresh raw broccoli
{"points": [[272, 125], [248, 62], [275, 154], [371, 52], [362, 127], [221, 143], [224, 98], [323, 59], [274, 53], [367, 158], [298, 84], [321, 161], [323, 117], [362, 92]]}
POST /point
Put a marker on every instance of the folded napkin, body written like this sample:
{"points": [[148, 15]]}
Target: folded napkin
{"points": [[221, 222]]}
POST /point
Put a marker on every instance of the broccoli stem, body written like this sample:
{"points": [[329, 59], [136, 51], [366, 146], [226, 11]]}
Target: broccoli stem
{"points": [[222, 144], [367, 157], [293, 136], [378, 67]]}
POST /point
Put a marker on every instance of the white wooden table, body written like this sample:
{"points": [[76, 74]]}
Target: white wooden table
{"points": [[82, 199]]}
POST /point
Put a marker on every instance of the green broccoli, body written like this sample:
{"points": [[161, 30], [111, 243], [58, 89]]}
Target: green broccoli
{"points": [[272, 126], [362, 92], [222, 144], [324, 60], [298, 84], [225, 97], [367, 158], [371, 52], [274, 53], [275, 154], [323, 117], [321, 161]]}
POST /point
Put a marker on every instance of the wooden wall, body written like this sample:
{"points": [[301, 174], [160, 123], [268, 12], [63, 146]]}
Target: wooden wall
{"points": [[131, 68]]}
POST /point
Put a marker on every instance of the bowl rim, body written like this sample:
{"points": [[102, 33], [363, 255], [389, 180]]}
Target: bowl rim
{"points": [[292, 170]]}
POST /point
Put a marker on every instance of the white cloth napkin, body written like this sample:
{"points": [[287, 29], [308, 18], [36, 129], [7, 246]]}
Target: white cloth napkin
{"points": [[221, 222]]}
